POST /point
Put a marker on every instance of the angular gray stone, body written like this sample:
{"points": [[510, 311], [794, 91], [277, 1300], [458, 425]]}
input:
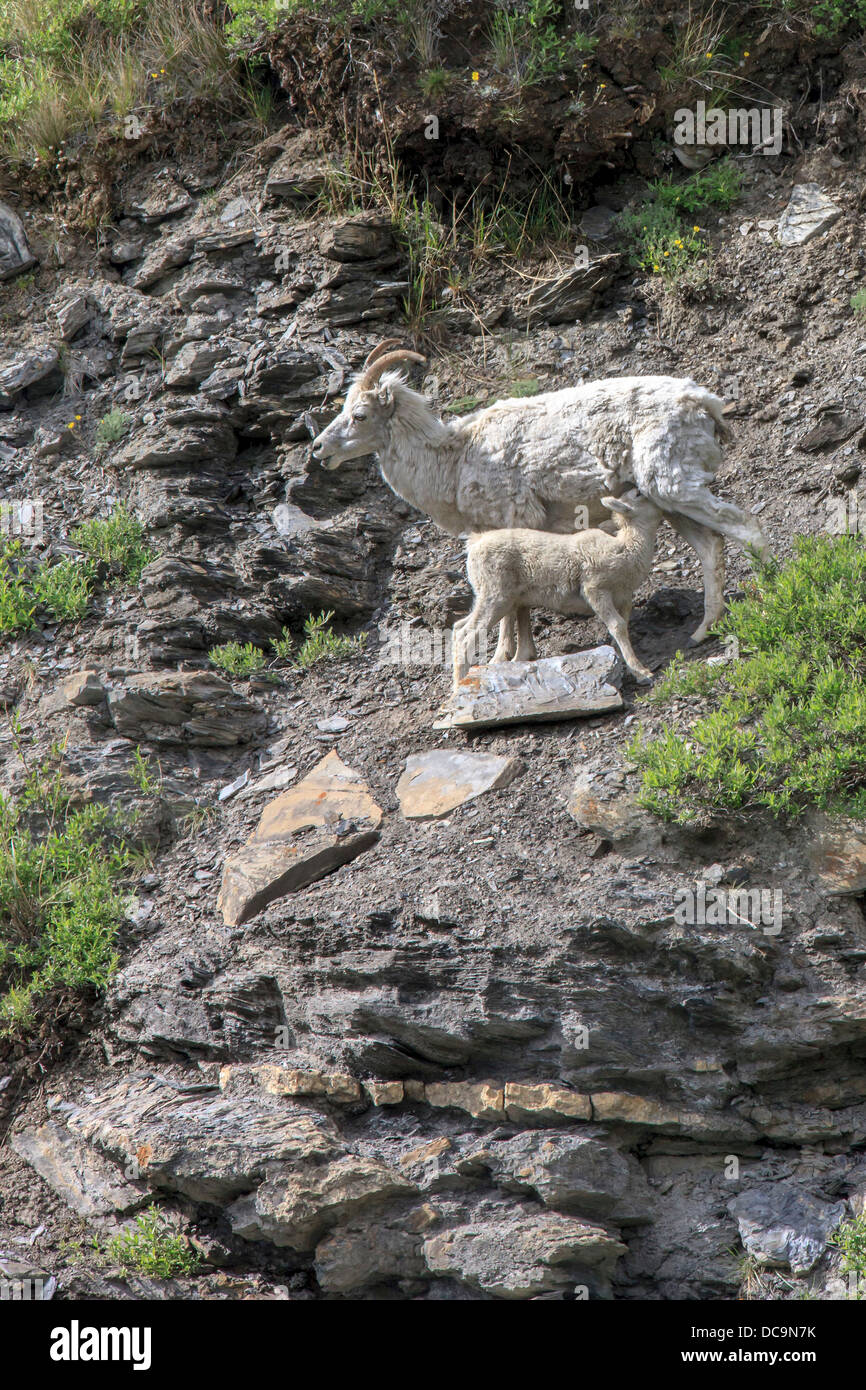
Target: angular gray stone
{"points": [[26, 370], [192, 707], [84, 1180], [514, 1254], [435, 783], [781, 1225], [15, 254], [809, 212], [571, 294], [517, 692]]}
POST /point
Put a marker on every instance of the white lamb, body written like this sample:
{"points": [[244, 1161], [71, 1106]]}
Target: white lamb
{"points": [[512, 571]]}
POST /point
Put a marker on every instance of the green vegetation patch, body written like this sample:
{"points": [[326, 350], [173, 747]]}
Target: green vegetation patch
{"points": [[663, 235], [118, 541], [153, 1247], [61, 904], [786, 723]]}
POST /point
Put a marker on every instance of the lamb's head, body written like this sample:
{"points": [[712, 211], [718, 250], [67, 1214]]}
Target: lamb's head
{"points": [[362, 425], [636, 508]]}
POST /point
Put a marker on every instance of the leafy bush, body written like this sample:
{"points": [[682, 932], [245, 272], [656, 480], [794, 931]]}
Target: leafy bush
{"points": [[118, 540], [322, 644], [786, 728], [850, 1239], [17, 604], [60, 901], [662, 242], [112, 427], [65, 588], [237, 658], [153, 1247]]}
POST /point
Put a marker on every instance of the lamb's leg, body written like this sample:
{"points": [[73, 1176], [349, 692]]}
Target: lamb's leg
{"points": [[526, 648], [505, 645], [485, 613], [710, 549], [603, 606]]}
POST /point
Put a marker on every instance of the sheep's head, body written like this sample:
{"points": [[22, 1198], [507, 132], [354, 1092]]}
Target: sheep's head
{"points": [[362, 425]]}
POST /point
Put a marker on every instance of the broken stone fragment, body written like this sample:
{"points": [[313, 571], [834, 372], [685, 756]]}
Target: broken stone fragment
{"points": [[301, 171], [515, 692], [192, 707], [37, 366], [15, 254], [297, 1206], [544, 1103], [78, 689], [809, 212], [524, 1255], [293, 1081], [85, 1181], [570, 295], [282, 855], [73, 314], [361, 238], [780, 1225], [485, 1099], [435, 783], [611, 813]]}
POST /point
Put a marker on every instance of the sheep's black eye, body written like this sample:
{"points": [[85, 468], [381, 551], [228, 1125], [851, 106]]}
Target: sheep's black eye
{"points": [[359, 415]]}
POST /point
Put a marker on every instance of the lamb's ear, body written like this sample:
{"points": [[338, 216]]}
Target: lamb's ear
{"points": [[617, 504]]}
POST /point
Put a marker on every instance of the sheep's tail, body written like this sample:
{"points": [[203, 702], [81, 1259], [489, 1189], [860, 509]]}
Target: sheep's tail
{"points": [[713, 406]]}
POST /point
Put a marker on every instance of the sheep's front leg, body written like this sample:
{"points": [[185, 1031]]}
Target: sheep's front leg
{"points": [[710, 549], [604, 607], [526, 648], [505, 645]]}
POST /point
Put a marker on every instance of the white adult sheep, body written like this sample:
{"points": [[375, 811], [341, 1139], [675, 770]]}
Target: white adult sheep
{"points": [[515, 570], [532, 462]]}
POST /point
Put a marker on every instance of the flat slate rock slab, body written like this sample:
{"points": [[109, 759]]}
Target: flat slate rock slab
{"points": [[516, 692], [325, 821], [435, 783]]}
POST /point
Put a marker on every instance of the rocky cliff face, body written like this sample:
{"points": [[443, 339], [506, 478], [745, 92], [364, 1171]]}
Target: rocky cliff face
{"points": [[472, 1044]]}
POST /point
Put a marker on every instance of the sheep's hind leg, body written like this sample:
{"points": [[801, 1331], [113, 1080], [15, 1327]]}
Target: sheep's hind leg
{"points": [[505, 645], [710, 549], [604, 607], [526, 648]]}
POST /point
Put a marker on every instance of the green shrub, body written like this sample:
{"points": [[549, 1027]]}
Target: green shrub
{"points": [[858, 301], [850, 1240], [118, 540], [786, 726], [112, 427], [153, 1247], [322, 644], [65, 588], [60, 900], [17, 604], [237, 658], [662, 241]]}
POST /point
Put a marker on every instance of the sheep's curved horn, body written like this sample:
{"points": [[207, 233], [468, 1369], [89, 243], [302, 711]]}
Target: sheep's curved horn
{"points": [[385, 346], [390, 359]]}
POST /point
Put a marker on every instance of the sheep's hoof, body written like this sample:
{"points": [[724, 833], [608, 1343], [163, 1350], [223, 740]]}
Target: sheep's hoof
{"points": [[700, 635], [644, 677]]}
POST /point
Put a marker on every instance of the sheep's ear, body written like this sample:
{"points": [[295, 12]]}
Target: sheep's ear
{"points": [[617, 504], [385, 397]]}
